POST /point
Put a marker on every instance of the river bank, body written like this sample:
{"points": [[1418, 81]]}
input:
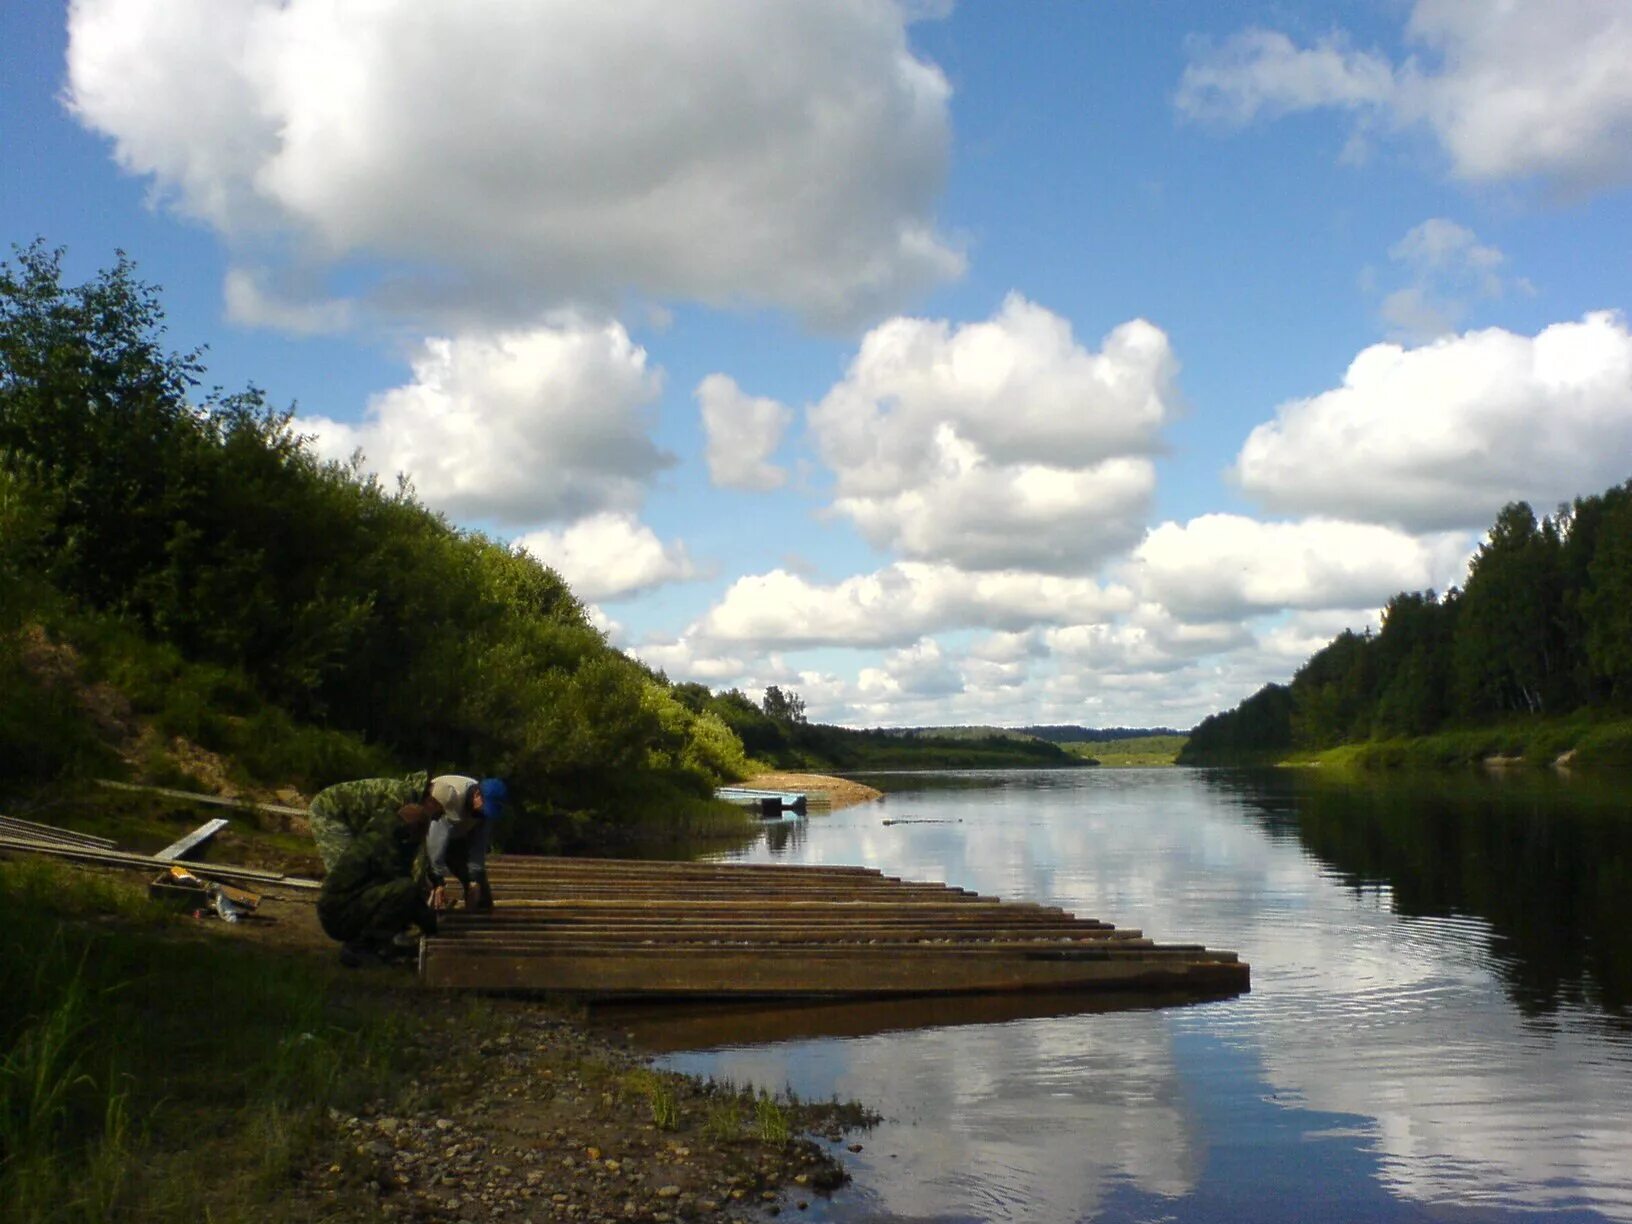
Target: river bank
{"points": [[522, 1111], [190, 1069], [839, 792], [1564, 742]]}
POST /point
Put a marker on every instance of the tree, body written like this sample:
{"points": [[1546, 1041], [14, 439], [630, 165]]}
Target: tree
{"points": [[1413, 664], [1606, 600], [784, 707], [91, 399], [1509, 654]]}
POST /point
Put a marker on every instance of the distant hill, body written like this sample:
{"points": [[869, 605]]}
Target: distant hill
{"points": [[1092, 735]]}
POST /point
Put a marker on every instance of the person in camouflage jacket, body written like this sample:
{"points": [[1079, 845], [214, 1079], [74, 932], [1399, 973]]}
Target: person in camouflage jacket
{"points": [[342, 811], [370, 895]]}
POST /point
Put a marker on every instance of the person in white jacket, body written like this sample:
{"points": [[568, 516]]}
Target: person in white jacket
{"points": [[457, 842]]}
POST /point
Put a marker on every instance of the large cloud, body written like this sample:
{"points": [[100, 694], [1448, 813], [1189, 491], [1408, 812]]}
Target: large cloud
{"points": [[610, 556], [526, 155], [517, 427], [895, 606], [1512, 90], [1221, 566], [999, 444], [1444, 435]]}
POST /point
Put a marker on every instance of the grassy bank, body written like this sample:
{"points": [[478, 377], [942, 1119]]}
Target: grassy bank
{"points": [[160, 1067], [1577, 741], [156, 1068], [1143, 751]]}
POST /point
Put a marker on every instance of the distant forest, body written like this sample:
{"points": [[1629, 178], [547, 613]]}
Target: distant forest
{"points": [[1542, 627], [1092, 735], [775, 731]]}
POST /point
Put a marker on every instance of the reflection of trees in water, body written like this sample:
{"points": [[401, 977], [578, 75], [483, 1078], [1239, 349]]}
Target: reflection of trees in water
{"points": [[784, 836], [1547, 862]]}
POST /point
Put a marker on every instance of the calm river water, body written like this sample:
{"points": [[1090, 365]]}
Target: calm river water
{"points": [[1440, 1022]]}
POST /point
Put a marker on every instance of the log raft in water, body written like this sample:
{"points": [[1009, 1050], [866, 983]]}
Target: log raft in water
{"points": [[611, 928]]}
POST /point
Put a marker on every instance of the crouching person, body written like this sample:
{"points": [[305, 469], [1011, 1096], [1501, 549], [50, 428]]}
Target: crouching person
{"points": [[461, 832], [370, 897], [340, 812]]}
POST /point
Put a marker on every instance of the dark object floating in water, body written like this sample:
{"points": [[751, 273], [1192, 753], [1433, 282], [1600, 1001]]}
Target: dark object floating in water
{"points": [[921, 820], [609, 928]]}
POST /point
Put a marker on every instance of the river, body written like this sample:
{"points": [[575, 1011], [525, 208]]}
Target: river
{"points": [[1439, 1026]]}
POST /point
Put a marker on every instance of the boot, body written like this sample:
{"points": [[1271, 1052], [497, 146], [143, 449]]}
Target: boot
{"points": [[479, 894]]}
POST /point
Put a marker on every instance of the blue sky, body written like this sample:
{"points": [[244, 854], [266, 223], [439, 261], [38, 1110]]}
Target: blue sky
{"points": [[962, 363]]}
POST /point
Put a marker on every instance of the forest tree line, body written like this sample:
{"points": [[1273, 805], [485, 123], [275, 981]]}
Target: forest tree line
{"points": [[192, 548], [1542, 627], [777, 732]]}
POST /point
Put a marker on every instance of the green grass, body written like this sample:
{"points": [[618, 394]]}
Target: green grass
{"points": [[658, 1091], [150, 1069], [1582, 740], [1142, 751], [770, 1120]]}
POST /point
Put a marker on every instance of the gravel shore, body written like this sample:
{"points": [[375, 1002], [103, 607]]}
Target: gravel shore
{"points": [[523, 1113]]}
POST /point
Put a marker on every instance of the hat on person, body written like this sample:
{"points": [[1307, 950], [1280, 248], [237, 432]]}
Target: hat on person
{"points": [[494, 793]]}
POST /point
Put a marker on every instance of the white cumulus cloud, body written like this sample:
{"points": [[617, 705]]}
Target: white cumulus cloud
{"points": [[1524, 88], [610, 556], [1000, 444], [895, 606], [1221, 566], [526, 156], [1148, 640], [741, 431], [922, 670], [1442, 436], [520, 427]]}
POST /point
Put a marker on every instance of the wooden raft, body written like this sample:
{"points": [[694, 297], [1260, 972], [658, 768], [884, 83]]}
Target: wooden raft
{"points": [[619, 929]]}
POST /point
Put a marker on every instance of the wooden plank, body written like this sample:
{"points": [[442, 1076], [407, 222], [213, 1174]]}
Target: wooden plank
{"points": [[643, 894], [878, 932], [525, 920], [545, 865], [181, 848], [776, 902], [808, 973], [195, 797], [929, 952], [13, 827], [114, 858]]}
